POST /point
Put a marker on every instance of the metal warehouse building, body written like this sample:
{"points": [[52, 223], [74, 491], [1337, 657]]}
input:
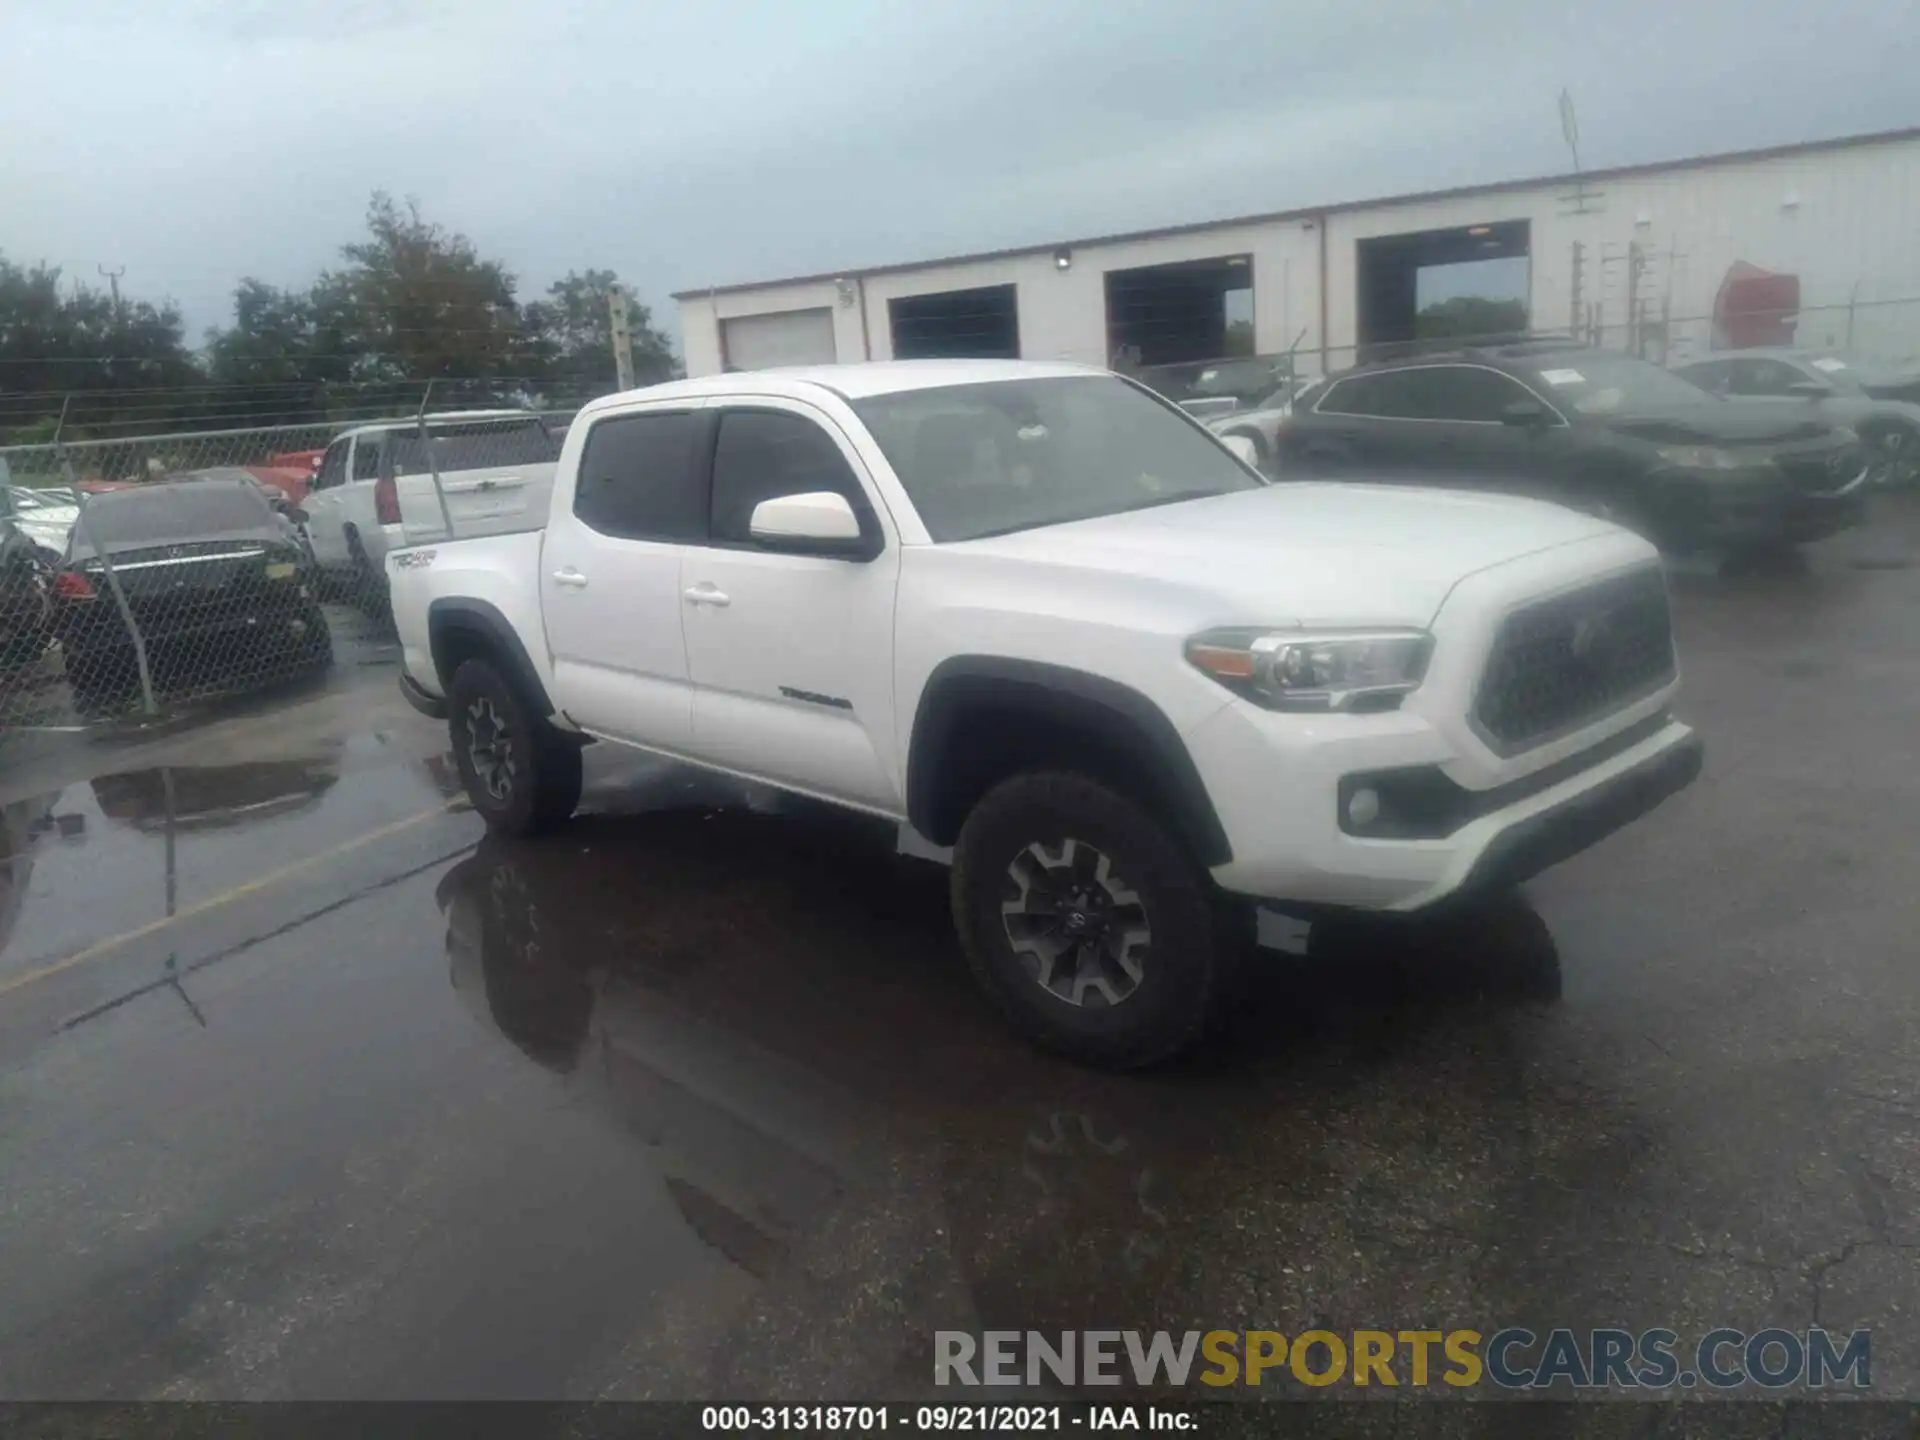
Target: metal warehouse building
{"points": [[1819, 242]]}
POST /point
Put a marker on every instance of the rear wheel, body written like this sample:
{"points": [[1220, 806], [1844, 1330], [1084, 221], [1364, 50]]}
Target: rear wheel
{"points": [[521, 775], [369, 586], [316, 644], [1088, 923]]}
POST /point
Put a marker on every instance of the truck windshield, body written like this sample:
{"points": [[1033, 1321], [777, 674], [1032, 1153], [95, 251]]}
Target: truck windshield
{"points": [[475, 447], [1015, 454]]}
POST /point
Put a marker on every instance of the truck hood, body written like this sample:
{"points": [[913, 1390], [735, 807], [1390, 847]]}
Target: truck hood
{"points": [[1366, 554]]}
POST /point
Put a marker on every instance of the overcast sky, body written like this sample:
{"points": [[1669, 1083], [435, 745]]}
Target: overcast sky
{"points": [[196, 141]]}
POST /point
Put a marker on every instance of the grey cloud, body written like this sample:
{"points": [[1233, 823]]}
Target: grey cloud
{"points": [[195, 141]]}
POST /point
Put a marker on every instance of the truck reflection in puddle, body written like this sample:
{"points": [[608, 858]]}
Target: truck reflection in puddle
{"points": [[773, 1004]]}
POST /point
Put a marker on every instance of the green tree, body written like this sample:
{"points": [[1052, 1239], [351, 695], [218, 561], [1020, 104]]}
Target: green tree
{"points": [[417, 301], [1468, 317], [59, 340], [572, 333]]}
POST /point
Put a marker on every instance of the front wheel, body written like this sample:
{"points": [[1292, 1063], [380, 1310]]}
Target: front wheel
{"points": [[521, 776], [1893, 461], [1087, 923]]}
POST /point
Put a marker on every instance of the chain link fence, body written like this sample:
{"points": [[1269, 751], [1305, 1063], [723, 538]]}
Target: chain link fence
{"points": [[141, 575]]}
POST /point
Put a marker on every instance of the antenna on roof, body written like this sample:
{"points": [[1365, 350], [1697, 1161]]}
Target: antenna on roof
{"points": [[1570, 132]]}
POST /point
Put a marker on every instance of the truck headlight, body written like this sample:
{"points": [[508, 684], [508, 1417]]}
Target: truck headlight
{"points": [[1315, 670], [1703, 457]]}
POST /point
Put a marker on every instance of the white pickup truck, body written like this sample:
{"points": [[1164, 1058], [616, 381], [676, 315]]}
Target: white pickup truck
{"points": [[1034, 613], [494, 470]]}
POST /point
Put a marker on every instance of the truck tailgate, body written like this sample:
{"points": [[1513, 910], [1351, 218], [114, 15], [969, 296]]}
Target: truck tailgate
{"points": [[503, 500]]}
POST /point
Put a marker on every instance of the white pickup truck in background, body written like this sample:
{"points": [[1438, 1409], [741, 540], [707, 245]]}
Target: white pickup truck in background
{"points": [[1034, 613], [496, 469]]}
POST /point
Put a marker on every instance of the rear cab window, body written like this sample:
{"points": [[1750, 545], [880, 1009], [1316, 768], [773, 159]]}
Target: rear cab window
{"points": [[639, 479]]}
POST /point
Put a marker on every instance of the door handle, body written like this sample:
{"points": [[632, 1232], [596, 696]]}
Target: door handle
{"points": [[706, 593], [571, 578]]}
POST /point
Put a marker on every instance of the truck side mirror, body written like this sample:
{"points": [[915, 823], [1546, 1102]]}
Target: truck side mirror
{"points": [[820, 522]]}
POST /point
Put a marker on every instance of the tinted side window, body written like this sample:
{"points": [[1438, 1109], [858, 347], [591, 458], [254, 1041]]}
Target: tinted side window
{"points": [[1461, 392], [1716, 376], [366, 458], [333, 466], [1763, 377], [1356, 395], [761, 454], [638, 480]]}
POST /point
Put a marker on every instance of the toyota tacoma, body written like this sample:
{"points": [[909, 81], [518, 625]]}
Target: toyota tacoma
{"points": [[1039, 617]]}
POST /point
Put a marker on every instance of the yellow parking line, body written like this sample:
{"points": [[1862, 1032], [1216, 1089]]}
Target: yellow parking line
{"points": [[226, 897]]}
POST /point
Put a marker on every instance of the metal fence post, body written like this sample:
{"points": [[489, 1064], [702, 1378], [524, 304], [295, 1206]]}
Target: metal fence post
{"points": [[85, 528], [433, 465], [81, 524]]}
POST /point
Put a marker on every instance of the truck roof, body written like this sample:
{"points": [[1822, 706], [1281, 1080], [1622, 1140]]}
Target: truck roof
{"points": [[859, 380]]}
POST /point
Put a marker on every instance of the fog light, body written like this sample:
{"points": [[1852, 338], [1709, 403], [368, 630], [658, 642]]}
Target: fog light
{"points": [[1363, 808]]}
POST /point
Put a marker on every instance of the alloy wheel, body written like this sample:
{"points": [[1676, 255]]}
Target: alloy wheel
{"points": [[490, 749], [1079, 929]]}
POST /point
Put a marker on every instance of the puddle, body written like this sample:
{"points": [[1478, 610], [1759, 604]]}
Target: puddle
{"points": [[123, 850]]}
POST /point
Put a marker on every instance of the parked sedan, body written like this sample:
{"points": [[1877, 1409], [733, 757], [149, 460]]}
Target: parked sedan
{"points": [[1880, 402], [24, 608], [219, 589], [1594, 429]]}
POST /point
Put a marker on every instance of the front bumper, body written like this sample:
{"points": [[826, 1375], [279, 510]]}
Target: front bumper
{"points": [[1290, 850], [1763, 511], [1526, 847]]}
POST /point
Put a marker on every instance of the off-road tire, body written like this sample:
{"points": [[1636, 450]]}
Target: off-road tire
{"points": [[1186, 968], [367, 589], [541, 786]]}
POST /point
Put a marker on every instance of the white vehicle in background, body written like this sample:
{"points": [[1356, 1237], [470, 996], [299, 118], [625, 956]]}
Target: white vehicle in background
{"points": [[495, 467], [1259, 424], [44, 516]]}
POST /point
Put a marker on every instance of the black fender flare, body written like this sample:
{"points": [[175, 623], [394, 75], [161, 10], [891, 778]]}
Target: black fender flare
{"points": [[503, 644], [1120, 712]]}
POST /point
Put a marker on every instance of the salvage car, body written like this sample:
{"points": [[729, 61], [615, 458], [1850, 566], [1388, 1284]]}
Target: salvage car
{"points": [[1597, 430], [1041, 619], [24, 607], [1880, 403], [220, 589]]}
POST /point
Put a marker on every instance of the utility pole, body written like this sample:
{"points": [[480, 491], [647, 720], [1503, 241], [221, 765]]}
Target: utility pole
{"points": [[113, 280], [1579, 275], [622, 336]]}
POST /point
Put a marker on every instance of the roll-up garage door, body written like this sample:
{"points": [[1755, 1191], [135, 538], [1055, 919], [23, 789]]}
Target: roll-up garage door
{"points": [[791, 337]]}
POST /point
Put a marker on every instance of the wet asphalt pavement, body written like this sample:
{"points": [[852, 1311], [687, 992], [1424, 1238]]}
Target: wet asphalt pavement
{"points": [[696, 1100]]}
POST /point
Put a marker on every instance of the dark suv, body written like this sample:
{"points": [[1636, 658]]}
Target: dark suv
{"points": [[1598, 430]]}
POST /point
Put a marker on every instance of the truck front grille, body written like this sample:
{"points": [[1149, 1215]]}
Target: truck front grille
{"points": [[1559, 664]]}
